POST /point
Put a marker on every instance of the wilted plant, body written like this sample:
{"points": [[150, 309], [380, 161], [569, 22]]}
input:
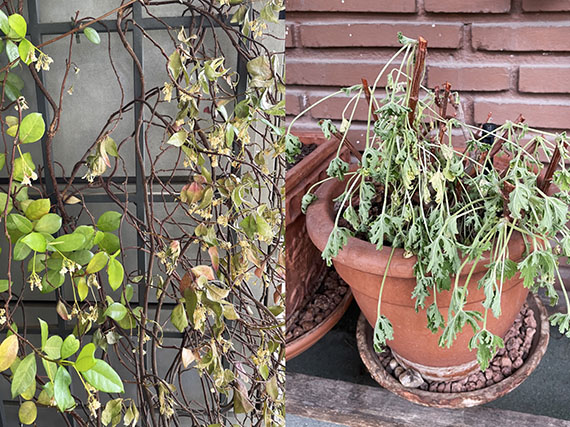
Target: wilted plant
{"points": [[413, 188]]}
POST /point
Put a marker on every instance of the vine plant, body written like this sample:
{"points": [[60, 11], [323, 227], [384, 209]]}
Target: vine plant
{"points": [[414, 189], [207, 150]]}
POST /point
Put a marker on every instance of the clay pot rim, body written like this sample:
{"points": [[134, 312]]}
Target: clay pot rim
{"points": [[358, 253], [464, 399]]}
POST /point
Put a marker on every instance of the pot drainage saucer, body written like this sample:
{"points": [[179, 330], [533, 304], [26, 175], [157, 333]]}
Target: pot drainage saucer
{"points": [[457, 394]]}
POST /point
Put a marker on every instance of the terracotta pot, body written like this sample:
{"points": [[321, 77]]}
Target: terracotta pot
{"points": [[362, 266], [304, 264]]}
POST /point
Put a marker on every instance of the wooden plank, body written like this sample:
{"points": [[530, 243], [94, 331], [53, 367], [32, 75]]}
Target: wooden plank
{"points": [[358, 405]]}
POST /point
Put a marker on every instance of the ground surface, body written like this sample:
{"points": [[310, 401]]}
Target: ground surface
{"points": [[545, 392]]}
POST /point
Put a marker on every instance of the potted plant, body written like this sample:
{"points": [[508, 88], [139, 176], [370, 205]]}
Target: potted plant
{"points": [[441, 244]]}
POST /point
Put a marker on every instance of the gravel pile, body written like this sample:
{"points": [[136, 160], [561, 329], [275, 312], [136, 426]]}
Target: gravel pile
{"points": [[327, 297], [507, 360]]}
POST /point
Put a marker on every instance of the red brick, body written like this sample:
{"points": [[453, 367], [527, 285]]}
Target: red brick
{"points": [[289, 36], [340, 73], [537, 114], [472, 6], [391, 6], [467, 77], [332, 108], [546, 5], [545, 79], [292, 105], [521, 37], [379, 34]]}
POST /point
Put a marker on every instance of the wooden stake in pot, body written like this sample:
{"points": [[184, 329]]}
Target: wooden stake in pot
{"points": [[416, 78]]}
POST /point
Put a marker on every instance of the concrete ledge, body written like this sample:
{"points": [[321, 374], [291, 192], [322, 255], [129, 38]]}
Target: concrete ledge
{"points": [[357, 405]]}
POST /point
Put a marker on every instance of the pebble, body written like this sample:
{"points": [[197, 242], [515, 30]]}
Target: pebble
{"points": [[398, 371], [518, 341], [411, 379]]}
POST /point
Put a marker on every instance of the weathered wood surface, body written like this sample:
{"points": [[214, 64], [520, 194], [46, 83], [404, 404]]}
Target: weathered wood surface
{"points": [[364, 406]]}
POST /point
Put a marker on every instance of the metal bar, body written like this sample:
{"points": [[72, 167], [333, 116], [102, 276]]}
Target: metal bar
{"points": [[57, 28], [139, 197]]}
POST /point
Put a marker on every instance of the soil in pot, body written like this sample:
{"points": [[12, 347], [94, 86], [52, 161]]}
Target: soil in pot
{"points": [[305, 151]]}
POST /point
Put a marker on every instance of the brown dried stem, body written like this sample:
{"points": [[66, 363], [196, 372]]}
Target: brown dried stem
{"points": [[416, 78]]}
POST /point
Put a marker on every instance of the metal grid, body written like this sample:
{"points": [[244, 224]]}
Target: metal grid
{"points": [[37, 30]]}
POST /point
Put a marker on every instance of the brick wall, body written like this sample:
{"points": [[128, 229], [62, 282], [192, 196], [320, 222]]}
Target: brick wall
{"points": [[504, 56]]}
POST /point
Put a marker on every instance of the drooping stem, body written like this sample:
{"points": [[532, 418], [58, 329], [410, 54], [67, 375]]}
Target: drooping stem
{"points": [[369, 97]]}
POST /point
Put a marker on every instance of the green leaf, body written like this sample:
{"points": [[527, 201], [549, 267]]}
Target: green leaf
{"points": [[116, 273], [97, 263], [111, 415], [178, 139], [32, 128], [3, 200], [306, 201], [519, 200], [110, 243], [175, 64], [12, 51], [38, 208], [86, 358], [116, 311], [44, 332], [4, 285], [22, 224], [70, 346], [26, 51], [260, 71], [82, 288], [383, 331], [230, 312], [4, 23], [21, 164], [21, 250], [109, 221], [25, 375], [104, 378], [50, 223], [52, 347], [61, 392], [8, 352], [92, 35], [18, 24], [28, 413], [35, 241], [69, 242], [215, 293], [2, 160], [179, 318], [52, 280]]}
